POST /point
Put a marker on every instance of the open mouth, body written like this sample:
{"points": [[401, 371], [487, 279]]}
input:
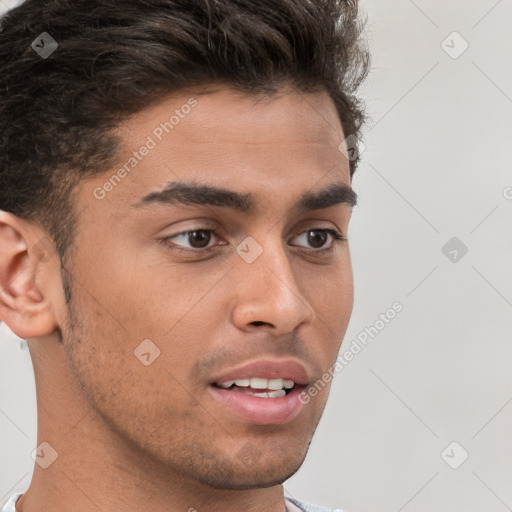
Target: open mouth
{"points": [[259, 387], [262, 392]]}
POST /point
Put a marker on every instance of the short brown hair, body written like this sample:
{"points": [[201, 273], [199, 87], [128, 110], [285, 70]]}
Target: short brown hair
{"points": [[116, 57]]}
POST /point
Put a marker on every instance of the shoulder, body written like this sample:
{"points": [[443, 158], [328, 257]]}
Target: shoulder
{"points": [[9, 505], [295, 505]]}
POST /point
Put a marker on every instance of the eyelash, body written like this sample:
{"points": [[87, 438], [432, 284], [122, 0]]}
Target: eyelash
{"points": [[338, 238]]}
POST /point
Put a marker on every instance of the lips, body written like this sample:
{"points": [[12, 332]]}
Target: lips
{"points": [[261, 392], [286, 370]]}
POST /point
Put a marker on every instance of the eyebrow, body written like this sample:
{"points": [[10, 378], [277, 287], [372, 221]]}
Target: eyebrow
{"points": [[185, 193]]}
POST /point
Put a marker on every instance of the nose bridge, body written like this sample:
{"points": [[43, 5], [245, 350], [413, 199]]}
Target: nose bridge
{"points": [[267, 290]]}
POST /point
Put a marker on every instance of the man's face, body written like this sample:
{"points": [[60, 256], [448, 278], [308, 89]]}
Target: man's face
{"points": [[220, 288]]}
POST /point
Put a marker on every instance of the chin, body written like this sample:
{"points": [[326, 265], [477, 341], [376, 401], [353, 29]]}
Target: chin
{"points": [[249, 468], [256, 478]]}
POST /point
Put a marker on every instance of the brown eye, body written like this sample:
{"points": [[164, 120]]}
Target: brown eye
{"points": [[317, 238], [199, 239], [193, 240]]}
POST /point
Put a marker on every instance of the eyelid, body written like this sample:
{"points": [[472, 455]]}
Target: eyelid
{"points": [[171, 245], [337, 238]]}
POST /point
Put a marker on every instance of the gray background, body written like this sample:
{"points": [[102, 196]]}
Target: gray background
{"points": [[437, 165]]}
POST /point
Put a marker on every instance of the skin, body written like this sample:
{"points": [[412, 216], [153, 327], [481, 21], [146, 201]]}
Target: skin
{"points": [[127, 434]]}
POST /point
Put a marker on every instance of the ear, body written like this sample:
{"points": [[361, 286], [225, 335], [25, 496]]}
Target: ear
{"points": [[25, 254]]}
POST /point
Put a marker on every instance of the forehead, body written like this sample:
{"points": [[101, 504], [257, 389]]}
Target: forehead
{"points": [[289, 115], [262, 144]]}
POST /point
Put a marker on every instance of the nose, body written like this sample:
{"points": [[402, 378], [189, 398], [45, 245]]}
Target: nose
{"points": [[267, 294]]}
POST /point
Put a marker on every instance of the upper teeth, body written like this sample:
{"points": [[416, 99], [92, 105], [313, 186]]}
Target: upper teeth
{"points": [[258, 383]]}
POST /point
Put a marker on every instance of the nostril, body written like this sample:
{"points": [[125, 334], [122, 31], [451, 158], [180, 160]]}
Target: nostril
{"points": [[258, 323]]}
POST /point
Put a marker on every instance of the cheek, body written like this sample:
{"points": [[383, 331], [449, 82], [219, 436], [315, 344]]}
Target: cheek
{"points": [[330, 292], [118, 371], [122, 300]]}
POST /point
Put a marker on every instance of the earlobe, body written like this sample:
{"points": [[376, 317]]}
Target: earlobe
{"points": [[24, 308]]}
